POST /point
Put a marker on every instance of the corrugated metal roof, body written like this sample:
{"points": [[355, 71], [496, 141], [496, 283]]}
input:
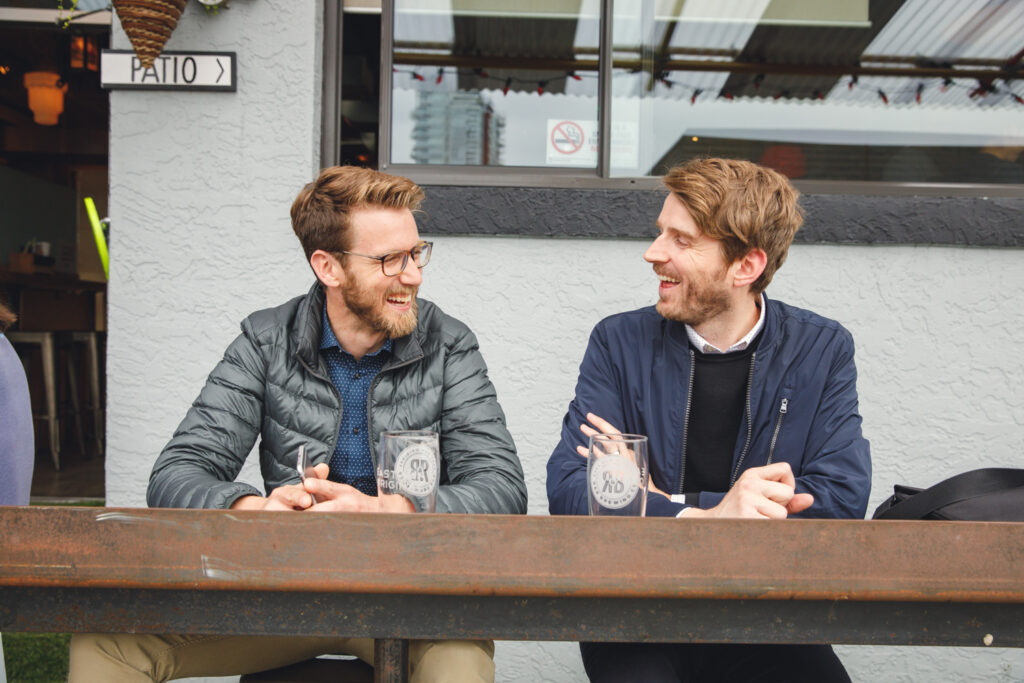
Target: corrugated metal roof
{"points": [[937, 31], [942, 31], [953, 28]]}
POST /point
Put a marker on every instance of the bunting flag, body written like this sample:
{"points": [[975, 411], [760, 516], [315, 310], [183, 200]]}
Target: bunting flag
{"points": [[540, 87]]}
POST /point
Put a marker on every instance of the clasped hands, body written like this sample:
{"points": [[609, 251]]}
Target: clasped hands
{"points": [[330, 497], [766, 492]]}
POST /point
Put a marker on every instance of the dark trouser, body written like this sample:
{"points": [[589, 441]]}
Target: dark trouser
{"points": [[697, 663]]}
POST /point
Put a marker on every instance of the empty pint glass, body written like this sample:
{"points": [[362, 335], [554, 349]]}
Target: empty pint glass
{"points": [[617, 475], [409, 465]]}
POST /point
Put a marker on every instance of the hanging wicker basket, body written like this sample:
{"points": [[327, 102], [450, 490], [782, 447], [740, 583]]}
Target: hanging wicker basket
{"points": [[148, 24]]}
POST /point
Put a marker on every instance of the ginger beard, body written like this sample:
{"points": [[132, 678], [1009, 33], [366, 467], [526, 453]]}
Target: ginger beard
{"points": [[695, 300], [394, 314]]}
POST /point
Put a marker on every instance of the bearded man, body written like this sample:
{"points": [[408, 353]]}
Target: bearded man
{"points": [[749, 405], [329, 371]]}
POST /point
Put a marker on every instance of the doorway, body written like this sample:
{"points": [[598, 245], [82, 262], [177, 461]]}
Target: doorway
{"points": [[53, 155]]}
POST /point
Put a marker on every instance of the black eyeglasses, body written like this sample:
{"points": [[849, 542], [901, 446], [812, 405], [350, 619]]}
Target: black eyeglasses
{"points": [[394, 263]]}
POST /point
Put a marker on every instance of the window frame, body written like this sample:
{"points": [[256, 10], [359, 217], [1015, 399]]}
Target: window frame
{"points": [[597, 178]]}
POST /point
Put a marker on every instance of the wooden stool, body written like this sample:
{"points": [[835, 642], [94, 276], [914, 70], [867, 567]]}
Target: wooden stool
{"points": [[48, 343], [88, 339], [316, 671]]}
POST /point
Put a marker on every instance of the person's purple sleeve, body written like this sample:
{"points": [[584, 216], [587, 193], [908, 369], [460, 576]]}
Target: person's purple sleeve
{"points": [[17, 440]]}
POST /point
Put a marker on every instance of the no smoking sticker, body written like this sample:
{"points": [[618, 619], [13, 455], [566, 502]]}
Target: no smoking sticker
{"points": [[574, 142], [571, 143], [567, 137]]}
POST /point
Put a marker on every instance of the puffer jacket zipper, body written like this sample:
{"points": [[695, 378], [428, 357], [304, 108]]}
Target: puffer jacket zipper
{"points": [[686, 425], [783, 407], [750, 423], [337, 424], [369, 404]]}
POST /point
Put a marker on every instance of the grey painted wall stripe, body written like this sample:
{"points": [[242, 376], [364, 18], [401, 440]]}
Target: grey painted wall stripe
{"points": [[831, 219]]}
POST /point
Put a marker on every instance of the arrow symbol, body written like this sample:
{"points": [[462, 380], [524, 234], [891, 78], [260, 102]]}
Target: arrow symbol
{"points": [[221, 70]]}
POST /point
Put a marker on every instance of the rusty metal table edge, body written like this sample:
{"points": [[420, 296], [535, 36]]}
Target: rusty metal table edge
{"points": [[511, 618]]}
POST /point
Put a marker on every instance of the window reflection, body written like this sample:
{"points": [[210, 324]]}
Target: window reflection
{"points": [[891, 90], [495, 82]]}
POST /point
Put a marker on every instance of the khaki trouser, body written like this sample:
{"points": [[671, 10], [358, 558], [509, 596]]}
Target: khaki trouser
{"points": [[131, 658]]}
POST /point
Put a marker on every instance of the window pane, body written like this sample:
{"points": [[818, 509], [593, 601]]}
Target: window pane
{"points": [[360, 88], [887, 90], [495, 82]]}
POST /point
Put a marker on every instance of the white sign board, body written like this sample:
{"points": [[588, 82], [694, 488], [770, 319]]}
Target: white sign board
{"points": [[572, 142], [170, 71]]}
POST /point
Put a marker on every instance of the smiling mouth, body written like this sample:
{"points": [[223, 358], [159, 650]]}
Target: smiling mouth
{"points": [[666, 282], [399, 299]]}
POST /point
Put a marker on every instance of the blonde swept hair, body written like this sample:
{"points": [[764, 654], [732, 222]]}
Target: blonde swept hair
{"points": [[320, 212], [742, 205]]}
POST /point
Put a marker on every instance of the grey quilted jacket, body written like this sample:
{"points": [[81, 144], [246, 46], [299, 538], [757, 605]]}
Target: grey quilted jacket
{"points": [[273, 384]]}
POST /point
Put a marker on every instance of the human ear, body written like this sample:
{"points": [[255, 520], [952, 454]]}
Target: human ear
{"points": [[327, 268], [749, 267]]}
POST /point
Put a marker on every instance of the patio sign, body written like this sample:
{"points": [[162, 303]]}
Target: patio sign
{"points": [[121, 69]]}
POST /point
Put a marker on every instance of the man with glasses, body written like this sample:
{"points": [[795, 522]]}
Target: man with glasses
{"points": [[328, 372]]}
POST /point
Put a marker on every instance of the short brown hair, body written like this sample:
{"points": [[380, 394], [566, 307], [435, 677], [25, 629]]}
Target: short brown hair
{"points": [[320, 212], [741, 204]]}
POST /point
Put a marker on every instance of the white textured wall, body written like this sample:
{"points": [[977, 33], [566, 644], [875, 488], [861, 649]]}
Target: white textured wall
{"points": [[936, 329], [201, 184]]}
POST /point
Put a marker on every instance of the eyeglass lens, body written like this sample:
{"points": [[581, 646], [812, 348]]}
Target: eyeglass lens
{"points": [[395, 263]]}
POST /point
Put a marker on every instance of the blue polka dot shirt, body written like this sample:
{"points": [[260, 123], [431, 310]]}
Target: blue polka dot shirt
{"points": [[351, 462]]}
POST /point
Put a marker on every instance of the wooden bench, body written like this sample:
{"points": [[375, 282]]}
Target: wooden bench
{"points": [[394, 577]]}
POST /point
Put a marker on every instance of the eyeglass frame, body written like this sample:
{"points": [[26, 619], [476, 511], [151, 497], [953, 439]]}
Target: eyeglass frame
{"points": [[406, 255]]}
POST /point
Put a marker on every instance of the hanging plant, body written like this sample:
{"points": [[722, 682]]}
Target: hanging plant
{"points": [[148, 24], [215, 6], [65, 21]]}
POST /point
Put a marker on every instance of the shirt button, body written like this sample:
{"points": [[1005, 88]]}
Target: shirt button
{"points": [[355, 430], [356, 376]]}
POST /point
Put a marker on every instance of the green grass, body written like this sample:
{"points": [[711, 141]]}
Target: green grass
{"points": [[36, 657], [40, 657]]}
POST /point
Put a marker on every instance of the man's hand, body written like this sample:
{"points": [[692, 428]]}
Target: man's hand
{"points": [[760, 493], [290, 497], [334, 497], [605, 427]]}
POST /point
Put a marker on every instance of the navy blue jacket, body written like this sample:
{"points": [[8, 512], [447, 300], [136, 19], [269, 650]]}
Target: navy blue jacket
{"points": [[801, 408]]}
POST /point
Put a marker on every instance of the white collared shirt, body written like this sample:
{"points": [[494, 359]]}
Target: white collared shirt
{"points": [[705, 346]]}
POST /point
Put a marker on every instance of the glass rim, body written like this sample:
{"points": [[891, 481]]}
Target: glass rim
{"points": [[409, 433], [618, 437]]}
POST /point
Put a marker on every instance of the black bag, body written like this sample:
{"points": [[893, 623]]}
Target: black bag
{"points": [[988, 495]]}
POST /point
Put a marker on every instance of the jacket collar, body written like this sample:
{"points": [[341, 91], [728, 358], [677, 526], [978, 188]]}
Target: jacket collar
{"points": [[769, 332], [309, 327], [410, 346]]}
